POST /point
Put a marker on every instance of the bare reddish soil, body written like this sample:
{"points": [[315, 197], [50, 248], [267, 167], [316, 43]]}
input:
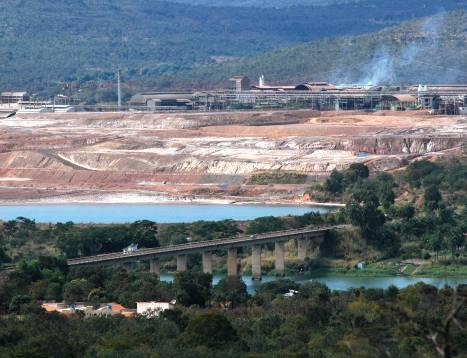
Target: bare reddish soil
{"points": [[134, 156]]}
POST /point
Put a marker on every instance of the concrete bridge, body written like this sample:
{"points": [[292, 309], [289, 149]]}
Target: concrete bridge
{"points": [[303, 236]]}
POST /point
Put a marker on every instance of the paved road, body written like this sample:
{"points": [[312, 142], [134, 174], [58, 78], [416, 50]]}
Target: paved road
{"points": [[202, 246]]}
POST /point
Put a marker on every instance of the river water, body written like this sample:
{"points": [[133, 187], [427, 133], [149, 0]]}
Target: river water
{"points": [[161, 213], [342, 283]]}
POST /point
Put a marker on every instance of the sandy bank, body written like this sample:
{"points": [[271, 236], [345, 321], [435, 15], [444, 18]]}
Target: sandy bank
{"points": [[145, 198]]}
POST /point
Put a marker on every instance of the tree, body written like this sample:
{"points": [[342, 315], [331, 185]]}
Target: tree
{"points": [[446, 215], [3, 256], [317, 292], [384, 177], [176, 316], [418, 170], [405, 211], [388, 241], [356, 346], [432, 197], [311, 218], [76, 290], [30, 269], [435, 242], [431, 315], [26, 224], [362, 309], [455, 240], [231, 290], [10, 227], [144, 233], [97, 295], [386, 194], [174, 234], [264, 224], [362, 210], [17, 301], [392, 292], [38, 289], [269, 290], [212, 330], [335, 183], [212, 230], [355, 172], [192, 288]]}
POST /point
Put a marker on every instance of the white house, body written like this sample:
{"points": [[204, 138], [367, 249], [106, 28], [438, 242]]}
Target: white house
{"points": [[153, 309]]}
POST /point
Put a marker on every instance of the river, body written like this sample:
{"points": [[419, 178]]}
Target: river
{"points": [[342, 283], [161, 213]]}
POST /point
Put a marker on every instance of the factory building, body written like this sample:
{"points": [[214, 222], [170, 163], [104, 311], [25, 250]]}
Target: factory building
{"points": [[9, 102], [316, 87], [398, 102], [439, 88], [441, 98], [153, 101], [242, 83], [322, 96], [13, 97]]}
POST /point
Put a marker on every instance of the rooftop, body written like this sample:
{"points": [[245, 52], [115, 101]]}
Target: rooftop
{"points": [[13, 94]]}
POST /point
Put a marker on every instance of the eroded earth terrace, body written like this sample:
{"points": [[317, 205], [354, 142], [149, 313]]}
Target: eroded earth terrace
{"points": [[136, 157]]}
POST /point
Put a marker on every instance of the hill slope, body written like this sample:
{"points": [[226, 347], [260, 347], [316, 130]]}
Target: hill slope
{"points": [[422, 51], [44, 42]]}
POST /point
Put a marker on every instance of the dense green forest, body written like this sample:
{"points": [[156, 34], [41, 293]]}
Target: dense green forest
{"points": [[417, 321], [432, 50], [417, 213], [45, 43]]}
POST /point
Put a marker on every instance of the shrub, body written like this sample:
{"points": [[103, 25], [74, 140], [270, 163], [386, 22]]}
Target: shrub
{"points": [[277, 178]]}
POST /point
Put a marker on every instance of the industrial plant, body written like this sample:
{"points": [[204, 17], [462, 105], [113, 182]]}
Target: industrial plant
{"points": [[323, 96], [449, 99]]}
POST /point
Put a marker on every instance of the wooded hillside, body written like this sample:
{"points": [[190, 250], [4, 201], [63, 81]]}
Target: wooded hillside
{"points": [[44, 43], [431, 50]]}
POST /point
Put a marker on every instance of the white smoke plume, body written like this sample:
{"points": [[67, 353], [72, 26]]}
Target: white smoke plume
{"points": [[389, 64]]}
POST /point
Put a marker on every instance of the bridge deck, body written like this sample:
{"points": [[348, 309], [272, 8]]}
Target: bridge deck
{"points": [[200, 246]]}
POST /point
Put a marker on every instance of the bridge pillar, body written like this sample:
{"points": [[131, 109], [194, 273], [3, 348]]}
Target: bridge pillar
{"points": [[155, 266], [279, 254], [232, 261], [256, 262], [316, 243], [181, 263], [303, 245], [320, 239], [207, 261]]}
